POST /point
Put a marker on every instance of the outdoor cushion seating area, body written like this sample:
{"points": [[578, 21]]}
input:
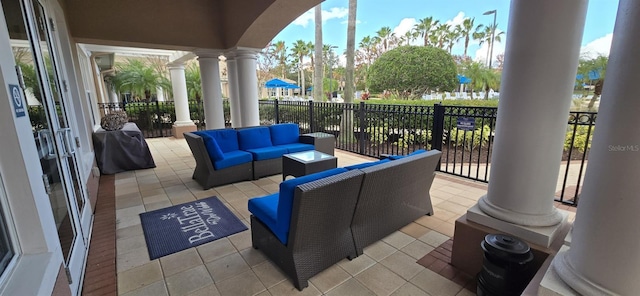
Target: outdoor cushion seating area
{"points": [[317, 220], [225, 156]]}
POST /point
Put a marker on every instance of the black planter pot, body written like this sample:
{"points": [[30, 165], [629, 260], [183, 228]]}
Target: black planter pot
{"points": [[506, 268]]}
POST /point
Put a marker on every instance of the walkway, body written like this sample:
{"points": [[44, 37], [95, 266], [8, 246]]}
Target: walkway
{"points": [[230, 266]]}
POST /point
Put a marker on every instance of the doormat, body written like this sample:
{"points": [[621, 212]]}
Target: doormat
{"points": [[176, 228]]}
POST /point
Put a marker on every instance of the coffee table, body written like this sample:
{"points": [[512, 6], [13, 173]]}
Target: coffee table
{"points": [[306, 162]]}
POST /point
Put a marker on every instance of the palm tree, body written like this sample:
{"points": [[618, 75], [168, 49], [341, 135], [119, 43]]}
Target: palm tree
{"points": [[483, 34], [367, 49], [451, 37], [481, 77], [384, 36], [409, 36], [441, 31], [140, 79], [424, 27], [346, 126], [194, 82], [280, 50], [301, 49], [466, 31], [318, 69]]}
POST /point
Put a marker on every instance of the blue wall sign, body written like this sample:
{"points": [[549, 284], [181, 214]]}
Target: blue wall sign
{"points": [[466, 124], [18, 103]]}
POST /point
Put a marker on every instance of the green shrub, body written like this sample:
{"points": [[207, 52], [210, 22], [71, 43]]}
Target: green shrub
{"points": [[410, 71], [580, 141], [415, 138], [470, 140]]}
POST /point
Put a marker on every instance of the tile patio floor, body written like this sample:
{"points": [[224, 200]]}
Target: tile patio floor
{"points": [[230, 266]]}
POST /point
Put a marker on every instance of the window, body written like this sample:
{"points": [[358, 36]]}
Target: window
{"points": [[6, 248]]}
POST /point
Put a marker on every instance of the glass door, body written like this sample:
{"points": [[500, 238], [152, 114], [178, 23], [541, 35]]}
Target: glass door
{"points": [[35, 54]]}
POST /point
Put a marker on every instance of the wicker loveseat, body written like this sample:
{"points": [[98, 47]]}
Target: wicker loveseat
{"points": [[317, 220], [226, 156]]}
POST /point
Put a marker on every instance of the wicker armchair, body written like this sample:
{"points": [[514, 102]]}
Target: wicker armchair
{"points": [[393, 195], [206, 175], [319, 233]]}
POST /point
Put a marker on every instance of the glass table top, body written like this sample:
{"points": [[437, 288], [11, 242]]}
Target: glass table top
{"points": [[309, 156]]}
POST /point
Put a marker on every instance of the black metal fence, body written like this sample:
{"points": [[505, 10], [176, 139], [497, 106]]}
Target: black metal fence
{"points": [[155, 119], [463, 134]]}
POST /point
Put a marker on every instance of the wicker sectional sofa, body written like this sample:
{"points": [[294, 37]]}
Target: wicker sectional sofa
{"points": [[317, 220], [226, 156]]}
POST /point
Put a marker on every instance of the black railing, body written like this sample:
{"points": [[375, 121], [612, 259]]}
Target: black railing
{"points": [[576, 149], [155, 119], [463, 134]]}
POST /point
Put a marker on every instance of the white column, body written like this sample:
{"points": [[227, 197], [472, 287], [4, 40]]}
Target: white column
{"points": [[234, 96], [113, 95], [211, 89], [537, 84], [248, 86], [180, 99], [160, 93], [603, 257]]}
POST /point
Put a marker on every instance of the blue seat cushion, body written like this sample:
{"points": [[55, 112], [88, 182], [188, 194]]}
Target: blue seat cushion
{"points": [[284, 133], [394, 157], [233, 158], [296, 147], [253, 138], [213, 149], [227, 139], [366, 164], [267, 152], [265, 209]]}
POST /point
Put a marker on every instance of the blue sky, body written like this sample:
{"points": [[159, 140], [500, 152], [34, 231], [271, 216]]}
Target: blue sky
{"points": [[400, 15]]}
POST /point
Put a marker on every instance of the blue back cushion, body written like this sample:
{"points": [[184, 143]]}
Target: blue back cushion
{"points": [[252, 138], [417, 152], [285, 202], [366, 164], [227, 139], [394, 157], [284, 133], [213, 149]]}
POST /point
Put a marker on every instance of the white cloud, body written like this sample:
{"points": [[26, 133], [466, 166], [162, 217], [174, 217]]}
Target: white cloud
{"points": [[342, 60], [457, 20], [308, 17], [406, 24], [600, 46]]}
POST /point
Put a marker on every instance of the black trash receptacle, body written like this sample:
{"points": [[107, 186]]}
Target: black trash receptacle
{"points": [[506, 268]]}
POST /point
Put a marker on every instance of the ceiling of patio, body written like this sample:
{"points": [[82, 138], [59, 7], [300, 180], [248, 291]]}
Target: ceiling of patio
{"points": [[182, 25]]}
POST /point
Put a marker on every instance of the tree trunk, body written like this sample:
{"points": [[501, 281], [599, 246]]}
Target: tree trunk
{"points": [[597, 90], [346, 126], [317, 79]]}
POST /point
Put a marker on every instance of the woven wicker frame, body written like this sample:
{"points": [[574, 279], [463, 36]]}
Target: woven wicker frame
{"points": [[319, 234], [393, 195], [206, 175], [267, 167]]}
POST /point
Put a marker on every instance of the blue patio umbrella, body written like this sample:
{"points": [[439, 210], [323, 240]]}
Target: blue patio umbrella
{"points": [[275, 83], [291, 86], [463, 79]]}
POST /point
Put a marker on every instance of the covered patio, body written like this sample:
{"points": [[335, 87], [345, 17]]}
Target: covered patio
{"points": [[230, 266]]}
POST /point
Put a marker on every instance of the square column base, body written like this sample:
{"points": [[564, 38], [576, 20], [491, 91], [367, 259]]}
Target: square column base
{"points": [[552, 284], [542, 236], [467, 255], [178, 130]]}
